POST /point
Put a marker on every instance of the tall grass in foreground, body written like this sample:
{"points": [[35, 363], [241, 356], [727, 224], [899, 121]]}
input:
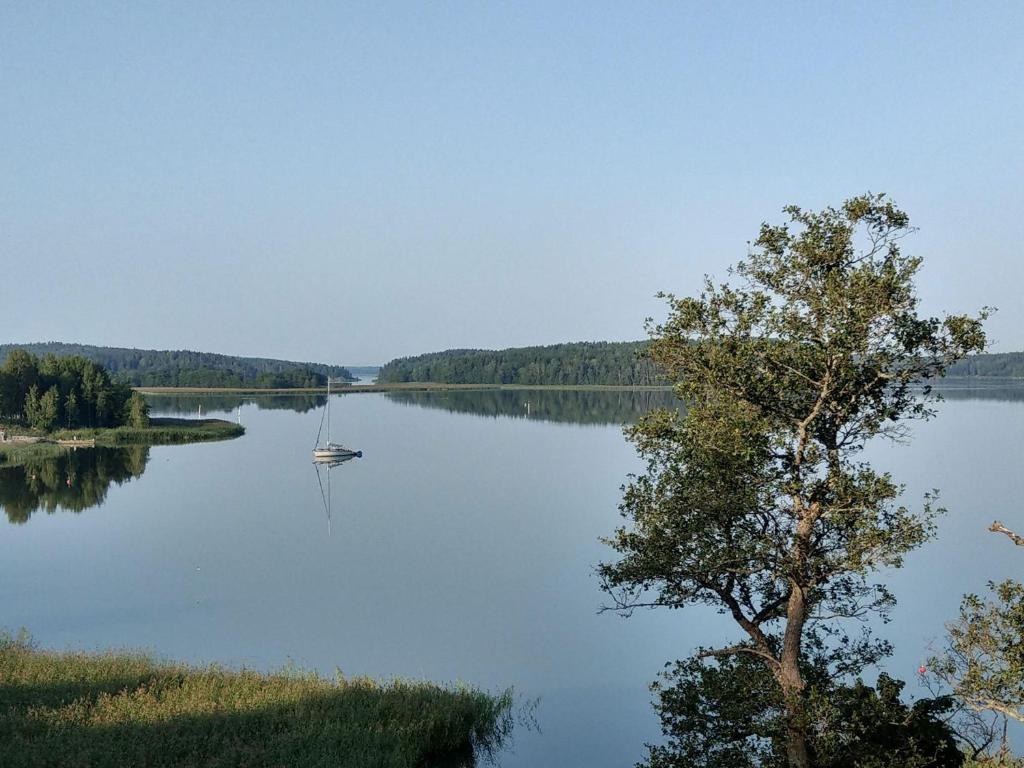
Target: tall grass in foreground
{"points": [[125, 709]]}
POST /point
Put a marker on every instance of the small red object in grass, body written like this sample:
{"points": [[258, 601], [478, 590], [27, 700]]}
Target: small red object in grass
{"points": [[921, 670]]}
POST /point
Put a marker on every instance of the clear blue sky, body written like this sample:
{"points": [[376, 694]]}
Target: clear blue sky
{"points": [[352, 182]]}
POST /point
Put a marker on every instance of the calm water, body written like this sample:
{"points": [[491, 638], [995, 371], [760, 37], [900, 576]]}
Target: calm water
{"points": [[460, 548]]}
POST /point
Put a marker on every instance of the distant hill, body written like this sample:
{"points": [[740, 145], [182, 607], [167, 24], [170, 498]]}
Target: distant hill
{"points": [[595, 363], [581, 363], [184, 368]]}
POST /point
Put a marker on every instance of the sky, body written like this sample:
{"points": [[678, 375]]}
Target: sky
{"points": [[352, 182]]}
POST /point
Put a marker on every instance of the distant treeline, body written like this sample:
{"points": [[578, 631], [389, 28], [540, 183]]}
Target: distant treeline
{"points": [[1005, 364], [69, 392], [583, 363], [594, 363], [182, 368]]}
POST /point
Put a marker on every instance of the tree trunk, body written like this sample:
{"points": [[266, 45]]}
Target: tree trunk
{"points": [[792, 682], [796, 740]]}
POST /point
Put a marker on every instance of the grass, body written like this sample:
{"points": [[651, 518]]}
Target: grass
{"points": [[161, 431], [125, 709]]}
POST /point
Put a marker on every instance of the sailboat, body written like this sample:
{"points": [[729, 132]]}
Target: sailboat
{"points": [[330, 451]]}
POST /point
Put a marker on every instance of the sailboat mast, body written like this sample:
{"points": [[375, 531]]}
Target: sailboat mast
{"points": [[328, 411]]}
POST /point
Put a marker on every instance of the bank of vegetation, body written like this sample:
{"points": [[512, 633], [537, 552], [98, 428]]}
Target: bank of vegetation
{"points": [[1001, 365], [53, 392], [583, 363], [599, 364], [185, 368], [118, 709], [43, 400]]}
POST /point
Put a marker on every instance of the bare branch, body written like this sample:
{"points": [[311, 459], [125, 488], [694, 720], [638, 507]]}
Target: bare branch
{"points": [[998, 527]]}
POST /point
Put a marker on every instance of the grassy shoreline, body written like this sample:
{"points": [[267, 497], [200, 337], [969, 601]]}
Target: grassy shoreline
{"points": [[161, 431], [122, 708]]}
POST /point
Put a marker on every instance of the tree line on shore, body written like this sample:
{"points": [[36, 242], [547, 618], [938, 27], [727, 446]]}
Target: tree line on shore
{"points": [[65, 393], [601, 363], [184, 368]]}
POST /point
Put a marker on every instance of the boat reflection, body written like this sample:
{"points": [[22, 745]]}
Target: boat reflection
{"points": [[328, 464]]}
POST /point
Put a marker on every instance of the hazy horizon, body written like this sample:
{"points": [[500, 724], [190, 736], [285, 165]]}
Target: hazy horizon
{"points": [[350, 184]]}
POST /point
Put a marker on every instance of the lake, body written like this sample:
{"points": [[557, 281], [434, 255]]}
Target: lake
{"points": [[460, 547]]}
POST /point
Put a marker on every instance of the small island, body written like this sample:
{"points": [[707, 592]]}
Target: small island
{"points": [[50, 403]]}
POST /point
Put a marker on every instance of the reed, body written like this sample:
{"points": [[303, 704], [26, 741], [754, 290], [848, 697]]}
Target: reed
{"points": [[116, 709]]}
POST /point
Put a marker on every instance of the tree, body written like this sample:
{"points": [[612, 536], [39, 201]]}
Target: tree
{"points": [[729, 713], [755, 502], [137, 411], [70, 409], [983, 662], [41, 411], [984, 659]]}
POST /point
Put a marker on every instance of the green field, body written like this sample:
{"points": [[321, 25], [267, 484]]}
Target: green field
{"points": [[120, 709]]}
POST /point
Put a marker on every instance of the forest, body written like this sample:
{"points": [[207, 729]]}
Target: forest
{"points": [[1005, 364], [65, 392], [184, 368], [600, 363], [583, 363]]}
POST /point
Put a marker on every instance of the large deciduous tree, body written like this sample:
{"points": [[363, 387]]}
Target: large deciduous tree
{"points": [[756, 501]]}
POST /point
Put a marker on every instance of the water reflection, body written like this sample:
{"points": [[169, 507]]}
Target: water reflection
{"points": [[191, 404], [605, 406], [576, 406], [1007, 390], [323, 467], [71, 480]]}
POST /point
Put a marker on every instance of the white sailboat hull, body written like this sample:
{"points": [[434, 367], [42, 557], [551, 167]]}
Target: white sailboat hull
{"points": [[332, 453]]}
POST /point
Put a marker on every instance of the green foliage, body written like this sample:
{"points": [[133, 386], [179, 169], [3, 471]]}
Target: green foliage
{"points": [[68, 391], [755, 501], [983, 663], [113, 710], [183, 368], [730, 713], [585, 363], [137, 411]]}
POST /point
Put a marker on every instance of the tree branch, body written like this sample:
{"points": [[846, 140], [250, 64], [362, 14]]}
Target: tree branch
{"points": [[998, 527]]}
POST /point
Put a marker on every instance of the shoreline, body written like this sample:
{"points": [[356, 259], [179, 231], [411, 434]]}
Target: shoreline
{"points": [[161, 431]]}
